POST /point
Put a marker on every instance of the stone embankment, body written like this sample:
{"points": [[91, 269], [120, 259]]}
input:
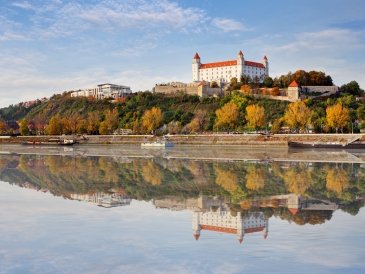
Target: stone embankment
{"points": [[203, 139]]}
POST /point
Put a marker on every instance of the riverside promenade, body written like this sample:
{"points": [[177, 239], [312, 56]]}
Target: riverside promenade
{"points": [[274, 140]]}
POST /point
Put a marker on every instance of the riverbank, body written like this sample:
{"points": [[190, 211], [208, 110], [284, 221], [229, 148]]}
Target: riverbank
{"points": [[277, 140]]}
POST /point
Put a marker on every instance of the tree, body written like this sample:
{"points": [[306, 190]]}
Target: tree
{"points": [[151, 119], [75, 122], [267, 82], [276, 126], [255, 116], [246, 89], [337, 116], [337, 180], [112, 119], [3, 126], [352, 88], [297, 115], [255, 178], [103, 128], [54, 126], [227, 115], [214, 84], [92, 122], [23, 127], [274, 91]]}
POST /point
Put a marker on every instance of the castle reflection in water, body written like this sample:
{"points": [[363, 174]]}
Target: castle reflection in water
{"points": [[218, 215]]}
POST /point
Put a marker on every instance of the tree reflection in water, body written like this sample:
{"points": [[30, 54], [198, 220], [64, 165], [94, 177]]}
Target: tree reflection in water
{"points": [[218, 192]]}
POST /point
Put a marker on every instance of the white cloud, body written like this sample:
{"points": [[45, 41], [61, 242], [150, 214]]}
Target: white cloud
{"points": [[228, 25], [326, 39], [23, 5]]}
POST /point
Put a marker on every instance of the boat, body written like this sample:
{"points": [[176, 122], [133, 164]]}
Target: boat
{"points": [[335, 145], [51, 142], [157, 144]]}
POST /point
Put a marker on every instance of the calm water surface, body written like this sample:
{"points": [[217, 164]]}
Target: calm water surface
{"points": [[119, 209]]}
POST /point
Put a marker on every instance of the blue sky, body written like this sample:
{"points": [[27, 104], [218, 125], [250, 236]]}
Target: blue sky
{"points": [[49, 46]]}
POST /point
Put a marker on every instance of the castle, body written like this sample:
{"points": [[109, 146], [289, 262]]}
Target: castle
{"points": [[224, 71]]}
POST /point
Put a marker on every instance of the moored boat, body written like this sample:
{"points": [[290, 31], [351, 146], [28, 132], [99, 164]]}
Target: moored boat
{"points": [[156, 144], [334, 145]]}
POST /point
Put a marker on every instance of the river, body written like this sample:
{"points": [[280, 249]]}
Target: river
{"points": [[123, 209]]}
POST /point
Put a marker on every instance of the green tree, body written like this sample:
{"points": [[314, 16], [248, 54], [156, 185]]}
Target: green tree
{"points": [[352, 88], [268, 82]]}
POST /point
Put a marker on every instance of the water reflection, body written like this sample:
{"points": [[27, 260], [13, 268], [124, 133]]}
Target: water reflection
{"points": [[225, 197]]}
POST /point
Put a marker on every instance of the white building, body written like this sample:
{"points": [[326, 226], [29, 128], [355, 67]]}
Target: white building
{"points": [[104, 91], [224, 71], [221, 220]]}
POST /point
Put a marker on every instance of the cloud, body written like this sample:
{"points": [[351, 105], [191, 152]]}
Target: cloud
{"points": [[228, 25], [23, 5], [324, 39]]}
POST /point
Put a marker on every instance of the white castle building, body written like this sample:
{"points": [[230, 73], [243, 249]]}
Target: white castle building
{"points": [[224, 71]]}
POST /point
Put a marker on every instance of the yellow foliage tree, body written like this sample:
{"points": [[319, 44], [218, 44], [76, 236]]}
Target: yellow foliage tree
{"points": [[297, 181], [337, 180], [337, 116], [54, 126], [255, 116], [297, 115], [151, 173], [227, 115], [255, 178], [151, 119], [227, 179], [3, 126], [246, 89]]}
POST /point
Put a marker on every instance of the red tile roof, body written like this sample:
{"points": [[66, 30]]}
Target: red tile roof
{"points": [[265, 58], [219, 64], [240, 53], [230, 63], [196, 56], [294, 84], [293, 211], [196, 236], [230, 230], [254, 64]]}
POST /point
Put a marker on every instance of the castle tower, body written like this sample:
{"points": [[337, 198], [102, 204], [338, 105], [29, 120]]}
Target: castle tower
{"points": [[240, 65], [196, 225], [195, 67], [265, 62]]}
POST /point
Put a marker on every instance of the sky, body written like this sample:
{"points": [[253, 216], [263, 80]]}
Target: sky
{"points": [[51, 46]]}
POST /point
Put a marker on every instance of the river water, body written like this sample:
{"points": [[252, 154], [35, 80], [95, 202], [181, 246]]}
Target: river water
{"points": [[123, 209]]}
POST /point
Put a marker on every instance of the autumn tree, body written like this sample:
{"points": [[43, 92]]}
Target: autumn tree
{"points": [[151, 119], [274, 91], [227, 179], [3, 126], [246, 89], [198, 122], [112, 119], [75, 121], [227, 116], [297, 115], [23, 127], [54, 126], [92, 122], [255, 178], [255, 116], [151, 173], [337, 116], [337, 180]]}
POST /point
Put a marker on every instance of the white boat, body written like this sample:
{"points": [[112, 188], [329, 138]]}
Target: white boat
{"points": [[157, 144]]}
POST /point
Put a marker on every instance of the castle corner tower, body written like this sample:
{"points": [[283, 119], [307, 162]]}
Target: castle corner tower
{"points": [[196, 67]]}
